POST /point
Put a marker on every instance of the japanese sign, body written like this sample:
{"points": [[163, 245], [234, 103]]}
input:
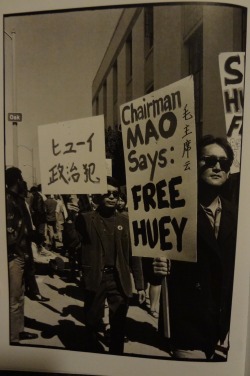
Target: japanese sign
{"points": [[159, 139], [72, 156], [232, 69]]}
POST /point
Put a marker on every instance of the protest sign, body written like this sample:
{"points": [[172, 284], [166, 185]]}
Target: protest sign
{"points": [[159, 139], [232, 70], [72, 156]]}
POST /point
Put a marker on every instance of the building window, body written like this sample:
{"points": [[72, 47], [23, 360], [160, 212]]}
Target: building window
{"points": [[150, 89], [97, 105], [195, 67], [149, 29], [105, 102], [129, 67], [115, 92], [148, 48], [244, 29]]}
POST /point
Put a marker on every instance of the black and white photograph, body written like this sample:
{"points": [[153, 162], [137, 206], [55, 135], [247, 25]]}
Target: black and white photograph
{"points": [[124, 142]]}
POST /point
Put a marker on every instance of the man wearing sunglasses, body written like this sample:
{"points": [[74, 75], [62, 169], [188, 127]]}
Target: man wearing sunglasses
{"points": [[106, 262], [201, 293]]}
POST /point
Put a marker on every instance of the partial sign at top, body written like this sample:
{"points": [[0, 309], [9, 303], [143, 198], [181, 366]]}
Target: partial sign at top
{"points": [[72, 156], [232, 70], [159, 139]]}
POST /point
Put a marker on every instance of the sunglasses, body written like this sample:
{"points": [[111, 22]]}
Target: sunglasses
{"points": [[115, 194], [211, 161]]}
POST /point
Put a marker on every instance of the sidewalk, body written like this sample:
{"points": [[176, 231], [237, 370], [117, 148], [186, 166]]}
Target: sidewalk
{"points": [[59, 322]]}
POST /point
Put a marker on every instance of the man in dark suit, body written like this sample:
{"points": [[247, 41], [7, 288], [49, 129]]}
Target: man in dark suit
{"points": [[106, 262], [200, 294]]}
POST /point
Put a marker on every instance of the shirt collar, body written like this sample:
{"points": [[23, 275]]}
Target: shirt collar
{"points": [[215, 205]]}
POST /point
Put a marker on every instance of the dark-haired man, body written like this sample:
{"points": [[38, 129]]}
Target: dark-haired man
{"points": [[106, 261], [201, 293], [19, 237]]}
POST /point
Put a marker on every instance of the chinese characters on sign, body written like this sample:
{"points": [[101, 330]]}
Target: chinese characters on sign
{"points": [[72, 156], [187, 141], [232, 69], [159, 141]]}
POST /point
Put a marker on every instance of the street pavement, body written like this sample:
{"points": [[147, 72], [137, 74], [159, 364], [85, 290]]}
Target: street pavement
{"points": [[59, 322]]}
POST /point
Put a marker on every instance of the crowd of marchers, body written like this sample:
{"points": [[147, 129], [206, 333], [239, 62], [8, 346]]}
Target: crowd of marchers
{"points": [[93, 231]]}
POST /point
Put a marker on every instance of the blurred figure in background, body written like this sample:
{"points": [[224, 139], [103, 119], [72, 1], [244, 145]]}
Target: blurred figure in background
{"points": [[31, 286], [71, 243], [38, 212], [50, 208], [61, 214], [122, 203]]}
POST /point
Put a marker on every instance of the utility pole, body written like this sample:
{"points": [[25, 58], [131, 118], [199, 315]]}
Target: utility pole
{"points": [[12, 36]]}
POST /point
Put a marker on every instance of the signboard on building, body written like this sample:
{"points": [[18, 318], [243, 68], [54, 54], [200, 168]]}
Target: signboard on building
{"points": [[159, 139], [72, 156], [15, 116], [232, 70]]}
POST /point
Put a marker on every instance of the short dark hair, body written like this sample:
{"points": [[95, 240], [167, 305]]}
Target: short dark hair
{"points": [[112, 181], [221, 141], [123, 196], [12, 175]]}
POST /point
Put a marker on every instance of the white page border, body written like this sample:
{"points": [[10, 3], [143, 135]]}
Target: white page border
{"points": [[49, 360]]}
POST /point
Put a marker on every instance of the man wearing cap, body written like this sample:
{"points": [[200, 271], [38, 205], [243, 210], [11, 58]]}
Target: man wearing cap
{"points": [[106, 262], [200, 294]]}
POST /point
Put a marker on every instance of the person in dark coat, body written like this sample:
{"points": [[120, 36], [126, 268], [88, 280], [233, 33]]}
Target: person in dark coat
{"points": [[19, 238], [200, 294], [106, 263]]}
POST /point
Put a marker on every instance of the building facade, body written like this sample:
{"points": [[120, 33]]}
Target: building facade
{"points": [[154, 46]]}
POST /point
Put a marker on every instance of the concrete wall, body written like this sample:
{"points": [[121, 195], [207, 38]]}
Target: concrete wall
{"points": [[138, 57], [126, 22], [167, 45], [218, 37], [110, 100], [121, 69], [101, 96], [173, 26]]}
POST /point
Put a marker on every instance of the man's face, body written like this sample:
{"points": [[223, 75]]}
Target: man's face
{"points": [[121, 203], [210, 170], [110, 198]]}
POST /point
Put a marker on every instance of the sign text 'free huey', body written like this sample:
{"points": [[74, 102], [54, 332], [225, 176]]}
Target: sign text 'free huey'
{"points": [[159, 139]]}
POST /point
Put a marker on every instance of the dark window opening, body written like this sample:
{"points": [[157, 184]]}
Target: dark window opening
{"points": [[195, 67]]}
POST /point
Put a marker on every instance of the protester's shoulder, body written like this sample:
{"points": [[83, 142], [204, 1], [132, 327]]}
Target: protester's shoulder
{"points": [[123, 216], [87, 215], [11, 197]]}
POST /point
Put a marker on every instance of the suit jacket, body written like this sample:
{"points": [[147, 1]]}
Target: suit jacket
{"points": [[88, 232], [201, 293]]}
